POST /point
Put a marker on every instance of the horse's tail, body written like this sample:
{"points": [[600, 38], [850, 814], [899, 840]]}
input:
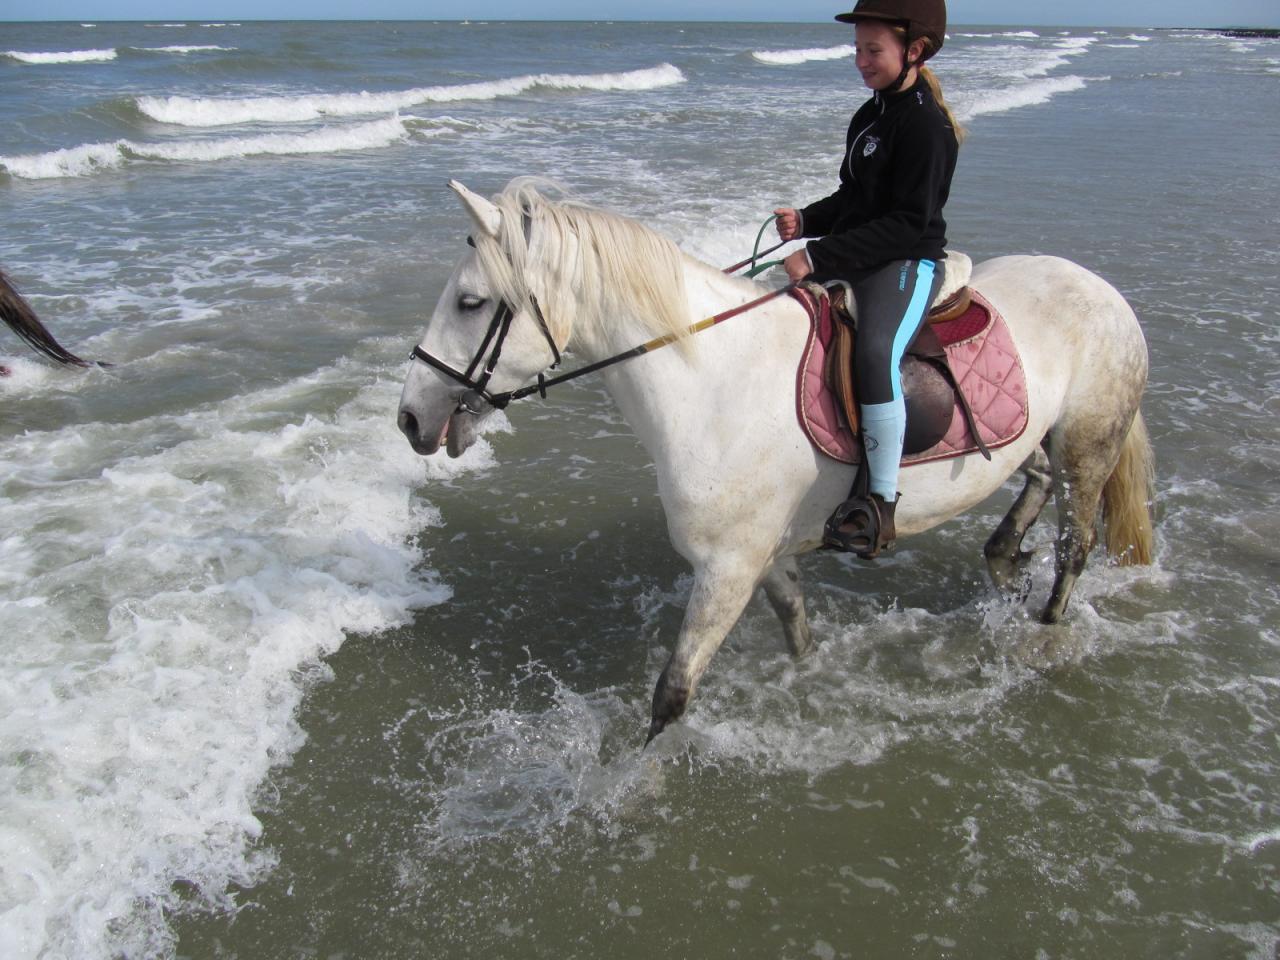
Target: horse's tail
{"points": [[22, 320], [1126, 499]]}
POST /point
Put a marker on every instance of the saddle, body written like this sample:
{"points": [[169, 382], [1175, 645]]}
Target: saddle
{"points": [[928, 383]]}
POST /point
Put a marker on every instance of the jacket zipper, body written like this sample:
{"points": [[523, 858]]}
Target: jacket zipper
{"points": [[854, 144]]}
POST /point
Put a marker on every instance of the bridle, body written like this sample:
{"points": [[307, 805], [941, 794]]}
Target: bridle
{"points": [[486, 357], [496, 335]]}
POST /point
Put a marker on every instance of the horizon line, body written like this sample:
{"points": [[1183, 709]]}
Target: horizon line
{"points": [[487, 20]]}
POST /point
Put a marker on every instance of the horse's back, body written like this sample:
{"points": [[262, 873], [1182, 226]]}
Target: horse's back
{"points": [[1077, 334], [1028, 289]]}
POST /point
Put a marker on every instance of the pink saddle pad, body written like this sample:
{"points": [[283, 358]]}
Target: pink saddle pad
{"points": [[983, 358]]}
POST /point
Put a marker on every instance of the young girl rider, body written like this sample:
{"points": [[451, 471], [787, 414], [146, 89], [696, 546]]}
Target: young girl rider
{"points": [[882, 232]]}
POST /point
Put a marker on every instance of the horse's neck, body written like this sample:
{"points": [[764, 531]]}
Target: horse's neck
{"points": [[683, 395]]}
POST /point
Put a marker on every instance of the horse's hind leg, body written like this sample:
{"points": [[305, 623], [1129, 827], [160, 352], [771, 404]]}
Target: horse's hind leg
{"points": [[782, 587], [1005, 556]]}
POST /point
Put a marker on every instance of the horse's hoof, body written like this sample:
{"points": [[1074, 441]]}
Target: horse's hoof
{"points": [[655, 728], [669, 702]]}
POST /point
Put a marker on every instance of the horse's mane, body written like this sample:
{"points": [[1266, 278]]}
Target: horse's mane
{"points": [[593, 263]]}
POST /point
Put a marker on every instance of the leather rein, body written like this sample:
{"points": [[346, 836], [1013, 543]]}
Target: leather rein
{"points": [[486, 357]]}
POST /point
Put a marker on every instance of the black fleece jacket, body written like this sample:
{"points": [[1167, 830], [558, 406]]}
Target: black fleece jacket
{"points": [[899, 158]]}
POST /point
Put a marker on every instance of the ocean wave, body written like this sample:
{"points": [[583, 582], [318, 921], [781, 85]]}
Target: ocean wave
{"points": [[792, 57], [215, 112], [65, 56], [91, 158], [1061, 53], [183, 48], [1014, 34], [224, 567], [1012, 98]]}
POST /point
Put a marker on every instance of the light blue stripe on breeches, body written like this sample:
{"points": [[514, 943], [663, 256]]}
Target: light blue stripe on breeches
{"points": [[885, 424]]}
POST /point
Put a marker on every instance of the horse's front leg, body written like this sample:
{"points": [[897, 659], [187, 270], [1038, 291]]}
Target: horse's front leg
{"points": [[720, 592]]}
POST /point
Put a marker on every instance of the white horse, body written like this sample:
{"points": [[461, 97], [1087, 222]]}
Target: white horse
{"points": [[743, 489]]}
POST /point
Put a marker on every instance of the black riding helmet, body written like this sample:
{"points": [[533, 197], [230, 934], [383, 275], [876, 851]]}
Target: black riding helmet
{"points": [[922, 18]]}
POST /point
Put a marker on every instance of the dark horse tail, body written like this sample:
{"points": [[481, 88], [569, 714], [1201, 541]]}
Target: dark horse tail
{"points": [[22, 320]]}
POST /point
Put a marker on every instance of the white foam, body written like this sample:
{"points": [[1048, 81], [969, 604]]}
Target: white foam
{"points": [[1257, 841], [24, 376], [1012, 98], [178, 603], [88, 159], [792, 57], [180, 48], [1011, 34], [212, 112], [66, 56], [1062, 52], [78, 161]]}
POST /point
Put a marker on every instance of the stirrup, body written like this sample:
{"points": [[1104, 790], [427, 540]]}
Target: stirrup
{"points": [[864, 519]]}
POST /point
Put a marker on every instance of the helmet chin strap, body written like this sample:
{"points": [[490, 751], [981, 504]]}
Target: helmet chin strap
{"points": [[902, 77]]}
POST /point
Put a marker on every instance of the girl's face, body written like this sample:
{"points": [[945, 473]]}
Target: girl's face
{"points": [[879, 56]]}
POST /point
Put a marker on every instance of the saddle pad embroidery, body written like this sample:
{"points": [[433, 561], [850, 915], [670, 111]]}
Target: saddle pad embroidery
{"points": [[983, 358]]}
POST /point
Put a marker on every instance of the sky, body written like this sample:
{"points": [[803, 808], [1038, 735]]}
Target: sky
{"points": [[1101, 13]]}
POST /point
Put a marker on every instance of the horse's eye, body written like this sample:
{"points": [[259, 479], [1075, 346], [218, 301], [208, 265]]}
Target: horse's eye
{"points": [[469, 301]]}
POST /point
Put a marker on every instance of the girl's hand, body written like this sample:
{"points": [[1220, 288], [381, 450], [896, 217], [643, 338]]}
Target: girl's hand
{"points": [[797, 265], [788, 223]]}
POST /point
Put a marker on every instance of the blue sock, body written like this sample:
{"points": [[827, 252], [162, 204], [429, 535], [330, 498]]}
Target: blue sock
{"points": [[883, 426]]}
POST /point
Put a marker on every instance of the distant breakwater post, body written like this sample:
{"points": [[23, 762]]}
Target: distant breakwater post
{"points": [[1251, 34]]}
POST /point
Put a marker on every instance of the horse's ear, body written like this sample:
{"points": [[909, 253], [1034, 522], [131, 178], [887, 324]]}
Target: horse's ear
{"points": [[487, 217]]}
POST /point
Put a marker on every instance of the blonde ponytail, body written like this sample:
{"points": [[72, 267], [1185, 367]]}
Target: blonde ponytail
{"points": [[935, 88]]}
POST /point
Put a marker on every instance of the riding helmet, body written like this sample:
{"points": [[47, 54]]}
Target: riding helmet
{"points": [[922, 18]]}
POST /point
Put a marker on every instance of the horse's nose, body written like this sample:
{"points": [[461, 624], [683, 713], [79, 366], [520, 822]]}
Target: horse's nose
{"points": [[408, 425]]}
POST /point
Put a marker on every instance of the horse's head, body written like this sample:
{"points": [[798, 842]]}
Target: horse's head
{"points": [[537, 272], [486, 337]]}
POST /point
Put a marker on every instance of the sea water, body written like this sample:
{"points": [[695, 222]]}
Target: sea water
{"points": [[273, 686]]}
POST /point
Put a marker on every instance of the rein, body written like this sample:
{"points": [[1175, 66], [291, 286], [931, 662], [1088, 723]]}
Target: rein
{"points": [[500, 326]]}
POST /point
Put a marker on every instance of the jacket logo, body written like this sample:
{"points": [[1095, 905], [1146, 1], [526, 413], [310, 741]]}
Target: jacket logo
{"points": [[870, 147]]}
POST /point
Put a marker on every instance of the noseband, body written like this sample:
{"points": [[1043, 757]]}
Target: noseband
{"points": [[494, 338]]}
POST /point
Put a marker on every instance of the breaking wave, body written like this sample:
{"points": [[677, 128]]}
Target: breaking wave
{"points": [[214, 112], [62, 56], [184, 48], [792, 57], [90, 158], [1022, 95]]}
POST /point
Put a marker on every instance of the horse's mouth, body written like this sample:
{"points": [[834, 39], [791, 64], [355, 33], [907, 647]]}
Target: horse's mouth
{"points": [[424, 444], [459, 433], [456, 435]]}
